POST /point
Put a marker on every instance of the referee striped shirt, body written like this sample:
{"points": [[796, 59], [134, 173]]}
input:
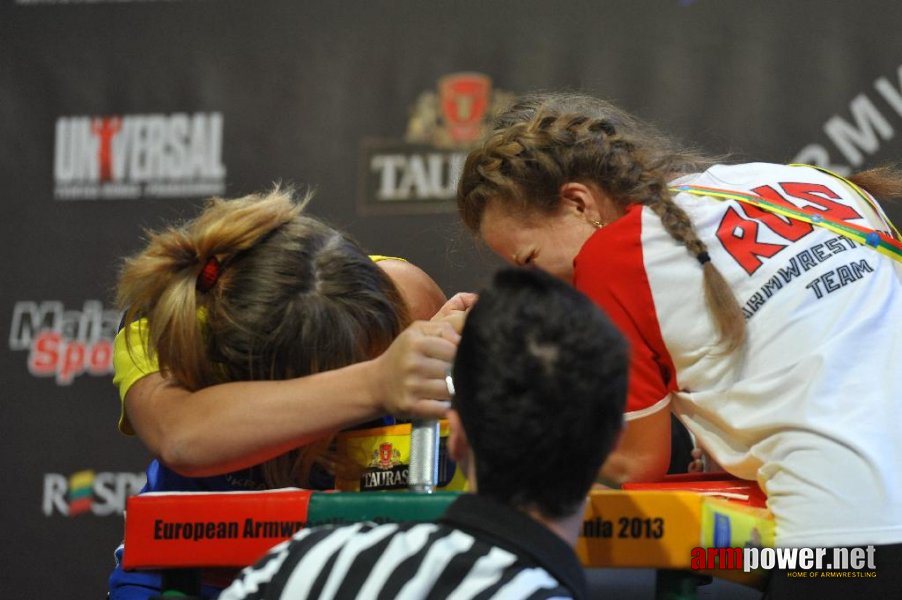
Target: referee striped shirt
{"points": [[479, 549]]}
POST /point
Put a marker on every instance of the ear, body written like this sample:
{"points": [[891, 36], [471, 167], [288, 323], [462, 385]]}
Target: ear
{"points": [[458, 445], [582, 199]]}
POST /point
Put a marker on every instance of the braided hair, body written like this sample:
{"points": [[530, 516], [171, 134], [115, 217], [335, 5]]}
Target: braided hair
{"points": [[546, 140]]}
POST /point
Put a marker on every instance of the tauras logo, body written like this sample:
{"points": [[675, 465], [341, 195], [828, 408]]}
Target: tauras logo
{"points": [[385, 479], [87, 491], [130, 156], [870, 127], [420, 173], [64, 344]]}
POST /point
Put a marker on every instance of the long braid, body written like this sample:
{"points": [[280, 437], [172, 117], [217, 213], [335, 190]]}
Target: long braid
{"points": [[718, 295], [646, 184], [525, 163]]}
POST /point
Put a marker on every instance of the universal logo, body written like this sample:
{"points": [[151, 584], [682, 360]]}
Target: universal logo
{"points": [[125, 157], [420, 173]]}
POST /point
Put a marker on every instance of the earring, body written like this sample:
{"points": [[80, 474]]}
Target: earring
{"points": [[597, 224]]}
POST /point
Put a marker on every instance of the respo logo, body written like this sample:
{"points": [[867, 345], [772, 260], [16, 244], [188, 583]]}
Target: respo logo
{"points": [[101, 494]]}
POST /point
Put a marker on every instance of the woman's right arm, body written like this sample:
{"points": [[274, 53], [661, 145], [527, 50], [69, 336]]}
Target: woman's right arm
{"points": [[643, 452], [617, 282], [239, 424]]}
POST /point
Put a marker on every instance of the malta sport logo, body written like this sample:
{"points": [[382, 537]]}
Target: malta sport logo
{"points": [[121, 157], [82, 492], [64, 344], [420, 173]]}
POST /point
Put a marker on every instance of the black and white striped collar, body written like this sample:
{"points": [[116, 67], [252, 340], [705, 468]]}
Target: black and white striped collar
{"points": [[519, 533]]}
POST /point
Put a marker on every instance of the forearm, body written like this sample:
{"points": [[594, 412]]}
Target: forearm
{"points": [[235, 425], [239, 424]]}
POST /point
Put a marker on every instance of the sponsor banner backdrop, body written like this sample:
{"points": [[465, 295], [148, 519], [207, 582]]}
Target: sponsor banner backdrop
{"points": [[117, 116]]}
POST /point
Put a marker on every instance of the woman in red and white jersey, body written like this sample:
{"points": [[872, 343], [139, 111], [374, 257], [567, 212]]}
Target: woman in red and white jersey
{"points": [[761, 301]]}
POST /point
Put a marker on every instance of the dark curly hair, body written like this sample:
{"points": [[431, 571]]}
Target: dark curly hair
{"points": [[540, 378]]}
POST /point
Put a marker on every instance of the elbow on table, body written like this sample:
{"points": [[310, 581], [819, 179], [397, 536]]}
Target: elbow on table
{"points": [[622, 468]]}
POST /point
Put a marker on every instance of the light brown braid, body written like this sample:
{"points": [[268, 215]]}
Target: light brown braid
{"points": [[525, 163]]}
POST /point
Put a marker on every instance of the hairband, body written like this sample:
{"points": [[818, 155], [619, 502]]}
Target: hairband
{"points": [[703, 258], [209, 275]]}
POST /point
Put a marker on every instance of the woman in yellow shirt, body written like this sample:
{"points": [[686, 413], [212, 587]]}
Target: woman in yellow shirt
{"points": [[253, 333]]}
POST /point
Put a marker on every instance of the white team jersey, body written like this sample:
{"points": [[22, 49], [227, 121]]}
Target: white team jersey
{"points": [[812, 406]]}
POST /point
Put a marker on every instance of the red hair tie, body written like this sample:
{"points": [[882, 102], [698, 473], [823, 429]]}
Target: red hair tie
{"points": [[208, 276]]}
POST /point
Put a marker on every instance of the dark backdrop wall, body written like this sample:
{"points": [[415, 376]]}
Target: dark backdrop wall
{"points": [[116, 116]]}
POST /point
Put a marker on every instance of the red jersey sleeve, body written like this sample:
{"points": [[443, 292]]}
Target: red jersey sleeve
{"points": [[610, 270]]}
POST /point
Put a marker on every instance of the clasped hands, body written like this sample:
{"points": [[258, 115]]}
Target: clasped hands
{"points": [[416, 365]]}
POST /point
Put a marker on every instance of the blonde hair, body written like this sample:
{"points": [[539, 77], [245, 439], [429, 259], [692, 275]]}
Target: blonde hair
{"points": [[546, 140], [293, 297]]}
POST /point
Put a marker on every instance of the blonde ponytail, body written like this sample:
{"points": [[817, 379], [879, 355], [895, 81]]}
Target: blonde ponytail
{"points": [[254, 290], [160, 283]]}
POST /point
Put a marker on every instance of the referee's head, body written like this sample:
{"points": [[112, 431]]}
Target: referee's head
{"points": [[540, 387]]}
